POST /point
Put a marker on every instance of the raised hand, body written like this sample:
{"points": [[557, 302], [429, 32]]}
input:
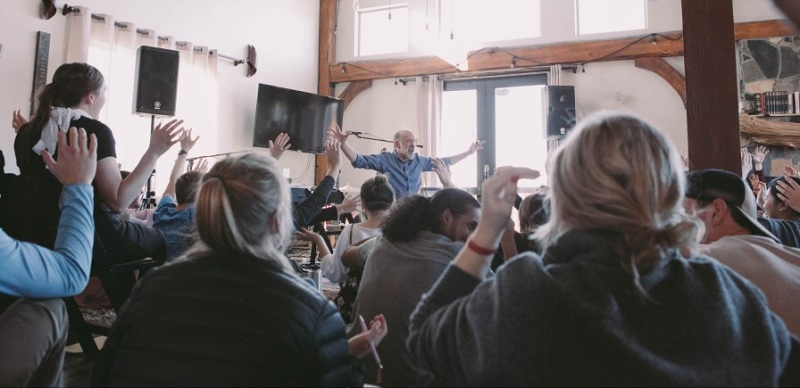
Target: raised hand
{"points": [[336, 132], [17, 121], [789, 193], [334, 156], [306, 235], [747, 161], [477, 145], [187, 143], [760, 188], [499, 194], [790, 171], [349, 204], [164, 136], [202, 166], [77, 163], [443, 171], [280, 144], [758, 156]]}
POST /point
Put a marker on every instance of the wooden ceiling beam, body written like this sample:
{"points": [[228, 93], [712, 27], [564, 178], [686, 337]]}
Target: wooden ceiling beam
{"points": [[668, 44], [665, 71]]}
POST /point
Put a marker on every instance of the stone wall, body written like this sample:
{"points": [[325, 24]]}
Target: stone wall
{"points": [[770, 65]]}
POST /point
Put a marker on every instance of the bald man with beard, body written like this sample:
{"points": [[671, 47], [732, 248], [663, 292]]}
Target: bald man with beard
{"points": [[402, 165]]}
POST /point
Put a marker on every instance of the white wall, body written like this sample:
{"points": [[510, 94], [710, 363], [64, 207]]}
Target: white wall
{"points": [[641, 92], [284, 33], [380, 110]]}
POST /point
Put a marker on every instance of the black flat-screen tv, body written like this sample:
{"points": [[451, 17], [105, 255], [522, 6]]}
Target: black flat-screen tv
{"points": [[305, 117]]}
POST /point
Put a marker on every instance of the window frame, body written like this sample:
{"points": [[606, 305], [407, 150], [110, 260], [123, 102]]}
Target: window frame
{"points": [[357, 51]]}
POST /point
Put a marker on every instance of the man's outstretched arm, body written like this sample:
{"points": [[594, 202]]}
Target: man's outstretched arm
{"points": [[474, 147], [341, 137]]}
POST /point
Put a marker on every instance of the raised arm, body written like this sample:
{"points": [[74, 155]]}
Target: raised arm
{"points": [[118, 193], [304, 212], [474, 147], [30, 270], [499, 194], [187, 143], [17, 121], [341, 137], [747, 162]]}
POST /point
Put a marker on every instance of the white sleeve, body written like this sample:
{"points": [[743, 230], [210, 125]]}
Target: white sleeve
{"points": [[331, 265]]}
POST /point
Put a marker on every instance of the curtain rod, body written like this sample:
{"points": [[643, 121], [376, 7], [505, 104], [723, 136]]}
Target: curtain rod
{"points": [[68, 9], [494, 73]]}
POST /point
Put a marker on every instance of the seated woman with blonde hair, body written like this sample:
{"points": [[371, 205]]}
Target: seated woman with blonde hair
{"points": [[613, 300], [232, 311]]}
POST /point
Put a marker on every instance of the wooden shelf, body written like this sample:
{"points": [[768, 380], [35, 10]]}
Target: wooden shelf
{"points": [[768, 132]]}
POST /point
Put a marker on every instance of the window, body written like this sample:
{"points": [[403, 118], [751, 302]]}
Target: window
{"points": [[598, 16], [508, 113], [489, 21], [381, 30]]}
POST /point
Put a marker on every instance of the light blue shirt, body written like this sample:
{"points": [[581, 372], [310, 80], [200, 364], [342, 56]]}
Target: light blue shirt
{"points": [[32, 271], [175, 225], [404, 176]]}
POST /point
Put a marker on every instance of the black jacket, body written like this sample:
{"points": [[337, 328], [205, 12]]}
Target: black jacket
{"points": [[226, 321]]}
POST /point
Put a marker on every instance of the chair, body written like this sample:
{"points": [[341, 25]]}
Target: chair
{"points": [[117, 281]]}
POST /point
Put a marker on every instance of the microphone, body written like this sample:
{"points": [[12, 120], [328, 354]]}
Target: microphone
{"points": [[420, 146], [354, 133]]}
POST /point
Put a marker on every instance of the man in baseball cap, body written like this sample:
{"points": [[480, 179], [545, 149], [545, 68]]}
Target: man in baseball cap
{"points": [[734, 237]]}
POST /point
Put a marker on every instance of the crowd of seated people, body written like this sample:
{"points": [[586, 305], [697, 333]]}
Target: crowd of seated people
{"points": [[626, 271]]}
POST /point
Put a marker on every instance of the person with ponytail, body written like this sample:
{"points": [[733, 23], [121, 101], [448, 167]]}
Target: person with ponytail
{"points": [[376, 197], [232, 311], [75, 98]]}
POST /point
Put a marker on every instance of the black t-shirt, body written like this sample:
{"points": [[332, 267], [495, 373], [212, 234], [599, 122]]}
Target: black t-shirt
{"points": [[31, 163]]}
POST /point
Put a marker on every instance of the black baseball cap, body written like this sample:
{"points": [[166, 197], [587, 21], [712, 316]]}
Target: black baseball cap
{"points": [[710, 184]]}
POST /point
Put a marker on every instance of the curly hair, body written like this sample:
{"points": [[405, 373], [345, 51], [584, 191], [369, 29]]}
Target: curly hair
{"points": [[416, 213]]}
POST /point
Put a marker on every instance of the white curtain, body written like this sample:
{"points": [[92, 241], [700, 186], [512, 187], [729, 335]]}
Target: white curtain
{"points": [[112, 49], [429, 113]]}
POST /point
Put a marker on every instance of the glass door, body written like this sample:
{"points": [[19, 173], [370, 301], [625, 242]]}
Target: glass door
{"points": [[508, 113]]}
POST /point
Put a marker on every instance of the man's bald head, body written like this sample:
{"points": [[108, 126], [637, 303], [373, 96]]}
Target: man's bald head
{"points": [[405, 144]]}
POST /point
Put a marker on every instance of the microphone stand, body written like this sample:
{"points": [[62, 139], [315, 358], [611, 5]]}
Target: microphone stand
{"points": [[190, 161], [148, 201], [370, 137]]}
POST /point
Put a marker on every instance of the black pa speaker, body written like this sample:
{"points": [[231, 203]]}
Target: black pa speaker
{"points": [[560, 103], [156, 82]]}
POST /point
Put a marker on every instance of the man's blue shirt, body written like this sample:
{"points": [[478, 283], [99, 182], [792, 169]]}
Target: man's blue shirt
{"points": [[404, 176]]}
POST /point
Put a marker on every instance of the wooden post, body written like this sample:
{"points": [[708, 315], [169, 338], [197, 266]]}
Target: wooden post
{"points": [[327, 54], [712, 100]]}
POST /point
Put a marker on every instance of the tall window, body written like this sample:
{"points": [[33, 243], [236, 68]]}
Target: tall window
{"points": [[381, 30], [598, 16], [507, 113]]}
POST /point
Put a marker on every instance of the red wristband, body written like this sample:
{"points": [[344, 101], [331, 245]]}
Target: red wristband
{"points": [[479, 249]]}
